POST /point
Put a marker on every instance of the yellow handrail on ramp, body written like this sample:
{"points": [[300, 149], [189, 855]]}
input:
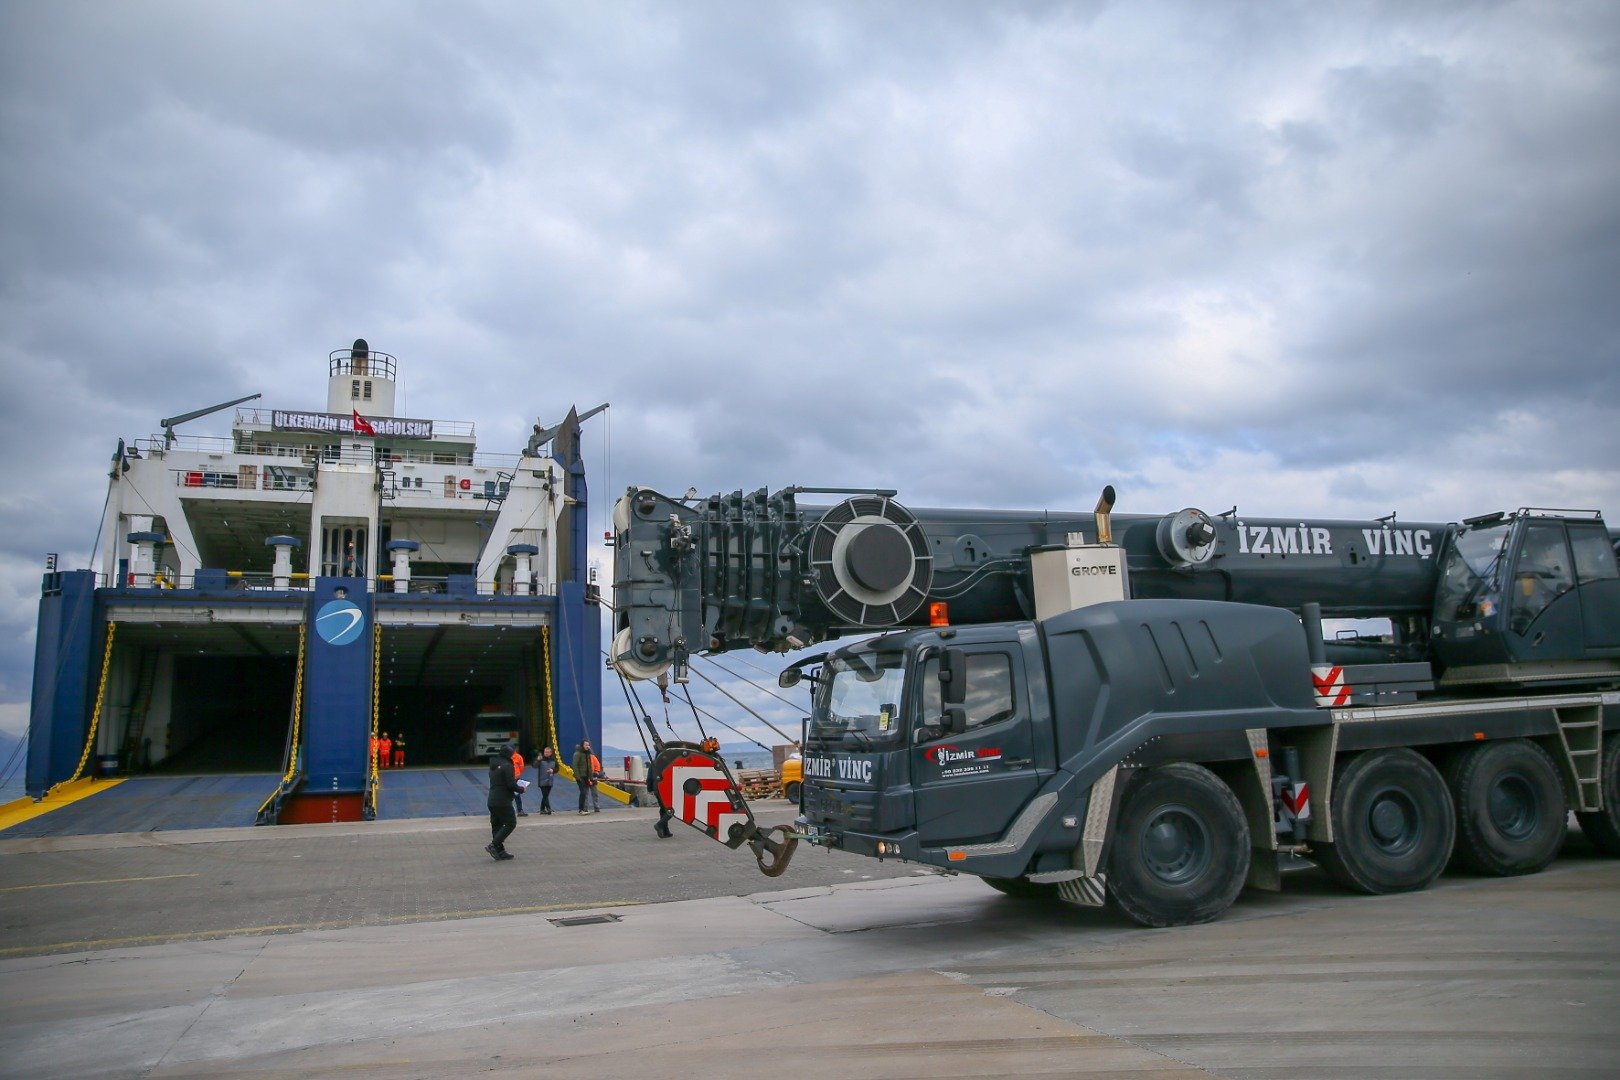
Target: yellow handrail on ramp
{"points": [[95, 717], [298, 711]]}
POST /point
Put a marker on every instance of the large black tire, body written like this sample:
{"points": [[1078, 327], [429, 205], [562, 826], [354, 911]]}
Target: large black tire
{"points": [[1023, 887], [1180, 853], [1602, 827], [791, 791], [1393, 823], [1512, 814]]}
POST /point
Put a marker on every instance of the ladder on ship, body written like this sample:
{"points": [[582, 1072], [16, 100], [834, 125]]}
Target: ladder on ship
{"points": [[495, 492], [140, 704]]}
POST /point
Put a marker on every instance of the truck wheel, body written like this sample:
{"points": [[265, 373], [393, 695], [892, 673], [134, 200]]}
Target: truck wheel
{"points": [[1602, 827], [1017, 886], [1510, 804], [791, 791], [1180, 853], [1393, 823]]}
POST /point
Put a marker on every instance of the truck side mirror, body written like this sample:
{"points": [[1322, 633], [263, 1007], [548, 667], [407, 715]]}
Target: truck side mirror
{"points": [[952, 677], [955, 719]]}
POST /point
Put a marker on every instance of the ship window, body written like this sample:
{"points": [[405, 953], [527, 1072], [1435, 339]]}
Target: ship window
{"points": [[368, 390], [354, 388]]}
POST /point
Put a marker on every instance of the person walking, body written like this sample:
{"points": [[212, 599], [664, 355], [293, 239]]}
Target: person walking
{"points": [[582, 771], [545, 774], [503, 788], [596, 776], [517, 773]]}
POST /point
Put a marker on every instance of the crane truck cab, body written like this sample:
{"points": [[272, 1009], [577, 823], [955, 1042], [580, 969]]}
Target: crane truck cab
{"points": [[983, 749], [1529, 595]]}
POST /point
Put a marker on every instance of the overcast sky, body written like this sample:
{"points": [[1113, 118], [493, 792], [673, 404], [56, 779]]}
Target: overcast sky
{"points": [[1308, 259]]}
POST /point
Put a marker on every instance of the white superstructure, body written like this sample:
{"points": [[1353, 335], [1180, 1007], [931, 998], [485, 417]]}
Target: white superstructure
{"points": [[407, 507]]}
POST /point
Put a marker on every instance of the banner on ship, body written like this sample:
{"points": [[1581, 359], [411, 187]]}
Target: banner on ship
{"points": [[385, 426]]}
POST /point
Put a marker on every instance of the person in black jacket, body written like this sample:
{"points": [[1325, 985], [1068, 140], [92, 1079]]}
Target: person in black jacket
{"points": [[503, 789]]}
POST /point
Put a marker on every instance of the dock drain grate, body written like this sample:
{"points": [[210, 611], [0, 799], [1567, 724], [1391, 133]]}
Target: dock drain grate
{"points": [[582, 920]]}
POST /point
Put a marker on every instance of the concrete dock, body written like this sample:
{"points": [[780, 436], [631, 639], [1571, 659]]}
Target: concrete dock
{"points": [[399, 949]]}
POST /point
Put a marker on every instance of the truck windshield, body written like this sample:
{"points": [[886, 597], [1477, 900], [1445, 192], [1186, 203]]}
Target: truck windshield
{"points": [[857, 702], [1468, 576]]}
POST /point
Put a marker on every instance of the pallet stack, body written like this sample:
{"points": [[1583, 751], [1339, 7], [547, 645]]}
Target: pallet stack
{"points": [[759, 783]]}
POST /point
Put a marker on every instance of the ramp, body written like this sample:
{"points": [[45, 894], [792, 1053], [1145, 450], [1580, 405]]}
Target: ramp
{"points": [[154, 804], [421, 793]]}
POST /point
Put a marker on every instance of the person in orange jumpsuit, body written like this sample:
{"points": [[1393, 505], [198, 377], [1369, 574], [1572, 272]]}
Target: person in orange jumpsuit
{"points": [[399, 751], [385, 751], [517, 774]]}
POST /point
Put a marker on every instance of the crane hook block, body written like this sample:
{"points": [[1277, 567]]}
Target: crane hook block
{"points": [[780, 851]]}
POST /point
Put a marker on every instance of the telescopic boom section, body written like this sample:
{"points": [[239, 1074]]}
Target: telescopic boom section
{"points": [[765, 571]]}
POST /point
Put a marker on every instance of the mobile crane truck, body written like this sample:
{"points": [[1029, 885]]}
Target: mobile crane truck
{"points": [[1152, 718]]}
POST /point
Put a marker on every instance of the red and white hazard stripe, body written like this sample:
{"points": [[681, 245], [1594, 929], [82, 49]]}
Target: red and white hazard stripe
{"points": [[700, 794], [1331, 689], [1297, 798]]}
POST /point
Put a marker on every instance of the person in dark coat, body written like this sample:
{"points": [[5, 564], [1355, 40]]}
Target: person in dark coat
{"points": [[582, 771], [503, 789], [545, 767]]}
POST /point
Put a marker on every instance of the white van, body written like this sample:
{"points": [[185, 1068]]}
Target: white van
{"points": [[491, 732]]}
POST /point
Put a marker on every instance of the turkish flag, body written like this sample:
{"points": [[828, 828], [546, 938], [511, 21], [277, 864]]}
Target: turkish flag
{"points": [[362, 426]]}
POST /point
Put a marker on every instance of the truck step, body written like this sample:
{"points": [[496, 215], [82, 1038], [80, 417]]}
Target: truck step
{"points": [[1580, 731]]}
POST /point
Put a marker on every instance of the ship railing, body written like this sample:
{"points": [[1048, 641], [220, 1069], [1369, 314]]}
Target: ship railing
{"points": [[405, 455], [302, 478], [382, 452], [158, 445], [458, 586], [367, 362]]}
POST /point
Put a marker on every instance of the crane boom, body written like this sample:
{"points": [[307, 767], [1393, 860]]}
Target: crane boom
{"points": [[172, 422], [765, 571]]}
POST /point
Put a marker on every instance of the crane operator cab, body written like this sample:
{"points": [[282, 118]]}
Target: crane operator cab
{"points": [[1536, 589]]}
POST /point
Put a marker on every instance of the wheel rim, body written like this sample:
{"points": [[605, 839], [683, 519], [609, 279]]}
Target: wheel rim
{"points": [[1393, 822], [1512, 806], [1175, 845]]}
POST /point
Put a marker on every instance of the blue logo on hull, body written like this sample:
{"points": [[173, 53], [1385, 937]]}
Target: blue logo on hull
{"points": [[339, 622]]}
